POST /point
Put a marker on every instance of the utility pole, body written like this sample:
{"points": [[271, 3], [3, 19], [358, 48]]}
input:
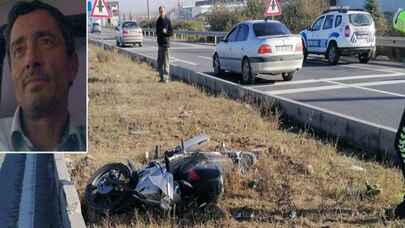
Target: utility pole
{"points": [[147, 5]]}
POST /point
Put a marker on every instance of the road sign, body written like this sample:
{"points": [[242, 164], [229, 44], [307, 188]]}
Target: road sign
{"points": [[100, 9], [89, 6], [272, 9]]}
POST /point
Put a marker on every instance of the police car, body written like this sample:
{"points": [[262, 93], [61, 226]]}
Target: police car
{"points": [[341, 31]]}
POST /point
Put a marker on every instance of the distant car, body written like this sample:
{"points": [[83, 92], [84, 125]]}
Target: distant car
{"points": [[399, 20], [259, 47], [341, 31], [128, 32], [95, 27]]}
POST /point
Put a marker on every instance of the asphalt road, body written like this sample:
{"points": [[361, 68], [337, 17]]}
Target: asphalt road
{"points": [[373, 93]]}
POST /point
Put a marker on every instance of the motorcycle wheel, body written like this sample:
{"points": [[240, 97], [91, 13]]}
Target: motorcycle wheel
{"points": [[107, 190]]}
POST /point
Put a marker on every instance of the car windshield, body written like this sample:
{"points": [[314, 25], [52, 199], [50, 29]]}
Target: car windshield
{"points": [[270, 29], [130, 24], [360, 19]]}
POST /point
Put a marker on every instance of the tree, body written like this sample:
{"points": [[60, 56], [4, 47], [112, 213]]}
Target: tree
{"points": [[254, 9], [371, 6], [298, 14], [223, 19]]}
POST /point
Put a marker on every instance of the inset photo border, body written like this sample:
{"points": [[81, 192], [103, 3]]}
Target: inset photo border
{"points": [[43, 81]]}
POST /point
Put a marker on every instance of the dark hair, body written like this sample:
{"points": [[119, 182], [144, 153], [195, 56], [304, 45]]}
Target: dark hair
{"points": [[22, 8]]}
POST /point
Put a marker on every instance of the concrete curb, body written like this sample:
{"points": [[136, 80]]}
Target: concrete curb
{"points": [[372, 139], [67, 197]]}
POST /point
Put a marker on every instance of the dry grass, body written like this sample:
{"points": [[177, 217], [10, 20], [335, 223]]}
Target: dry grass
{"points": [[130, 113]]}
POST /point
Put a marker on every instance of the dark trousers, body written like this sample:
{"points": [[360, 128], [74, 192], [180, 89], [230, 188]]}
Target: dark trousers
{"points": [[163, 62]]}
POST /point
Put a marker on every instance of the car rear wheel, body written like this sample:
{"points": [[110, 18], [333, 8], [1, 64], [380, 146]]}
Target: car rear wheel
{"points": [[364, 58], [217, 65], [288, 76], [332, 54], [248, 77]]}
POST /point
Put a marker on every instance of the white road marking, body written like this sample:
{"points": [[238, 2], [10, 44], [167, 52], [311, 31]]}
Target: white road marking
{"points": [[308, 105], [334, 79], [373, 68], [359, 86], [185, 44], [183, 61], [341, 86], [205, 57]]}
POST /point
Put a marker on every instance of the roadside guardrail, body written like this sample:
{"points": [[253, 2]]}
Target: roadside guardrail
{"points": [[384, 41]]}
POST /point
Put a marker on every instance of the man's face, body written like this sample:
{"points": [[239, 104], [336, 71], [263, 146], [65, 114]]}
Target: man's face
{"points": [[40, 68], [162, 11]]}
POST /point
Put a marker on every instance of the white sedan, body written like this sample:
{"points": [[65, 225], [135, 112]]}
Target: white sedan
{"points": [[259, 47]]}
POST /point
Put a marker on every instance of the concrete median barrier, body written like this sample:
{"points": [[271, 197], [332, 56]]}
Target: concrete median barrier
{"points": [[68, 201]]}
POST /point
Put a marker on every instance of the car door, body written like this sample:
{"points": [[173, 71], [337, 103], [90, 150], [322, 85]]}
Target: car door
{"points": [[314, 40], [239, 48], [225, 48], [326, 32]]}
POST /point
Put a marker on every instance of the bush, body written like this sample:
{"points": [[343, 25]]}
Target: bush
{"points": [[194, 25], [148, 23]]}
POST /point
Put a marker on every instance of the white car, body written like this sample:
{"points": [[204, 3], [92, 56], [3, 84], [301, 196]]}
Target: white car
{"points": [[341, 31], [259, 47], [128, 32]]}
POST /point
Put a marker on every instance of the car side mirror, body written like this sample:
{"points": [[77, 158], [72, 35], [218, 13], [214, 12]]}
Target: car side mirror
{"points": [[309, 28], [225, 40]]}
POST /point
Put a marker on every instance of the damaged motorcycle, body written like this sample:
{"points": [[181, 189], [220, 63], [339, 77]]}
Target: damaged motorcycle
{"points": [[184, 178]]}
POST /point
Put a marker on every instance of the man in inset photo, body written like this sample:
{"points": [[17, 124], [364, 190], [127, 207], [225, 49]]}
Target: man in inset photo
{"points": [[43, 64]]}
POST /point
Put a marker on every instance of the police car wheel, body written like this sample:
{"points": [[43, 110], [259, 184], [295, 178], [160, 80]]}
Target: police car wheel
{"points": [[332, 54], [305, 54]]}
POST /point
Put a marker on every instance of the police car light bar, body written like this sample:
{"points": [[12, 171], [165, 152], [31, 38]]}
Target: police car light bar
{"points": [[341, 9]]}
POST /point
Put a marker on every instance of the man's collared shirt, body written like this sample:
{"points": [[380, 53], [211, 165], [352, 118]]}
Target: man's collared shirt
{"points": [[12, 137]]}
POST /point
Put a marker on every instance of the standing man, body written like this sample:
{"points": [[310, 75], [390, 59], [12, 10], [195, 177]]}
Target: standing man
{"points": [[43, 64], [164, 31]]}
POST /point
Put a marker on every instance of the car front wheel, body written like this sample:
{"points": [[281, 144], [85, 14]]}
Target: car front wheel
{"points": [[288, 76], [217, 65]]}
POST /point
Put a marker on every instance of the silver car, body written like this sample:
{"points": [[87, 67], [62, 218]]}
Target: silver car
{"points": [[129, 32], [259, 47]]}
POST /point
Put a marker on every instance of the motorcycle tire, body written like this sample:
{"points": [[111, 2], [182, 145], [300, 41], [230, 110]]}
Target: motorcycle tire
{"points": [[106, 192]]}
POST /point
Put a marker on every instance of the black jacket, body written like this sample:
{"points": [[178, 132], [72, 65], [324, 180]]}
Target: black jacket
{"points": [[163, 39]]}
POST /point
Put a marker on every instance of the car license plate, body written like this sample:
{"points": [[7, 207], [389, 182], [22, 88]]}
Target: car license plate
{"points": [[284, 48]]}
